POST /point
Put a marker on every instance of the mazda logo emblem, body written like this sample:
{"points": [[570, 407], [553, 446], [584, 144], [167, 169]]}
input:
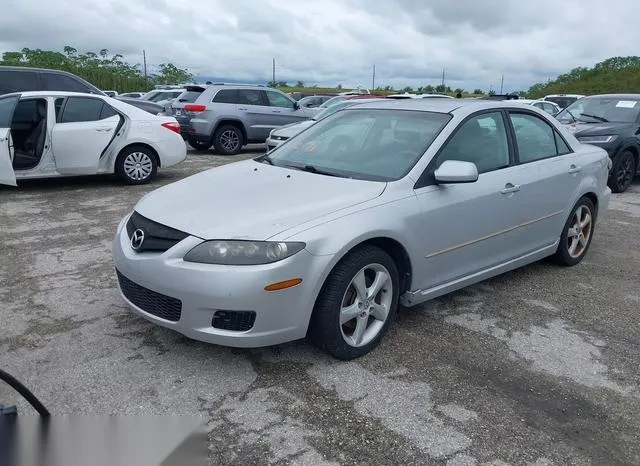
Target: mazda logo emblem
{"points": [[137, 238]]}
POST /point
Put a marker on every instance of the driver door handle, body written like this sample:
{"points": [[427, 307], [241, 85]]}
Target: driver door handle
{"points": [[244, 109], [510, 188], [276, 111], [574, 169], [106, 130]]}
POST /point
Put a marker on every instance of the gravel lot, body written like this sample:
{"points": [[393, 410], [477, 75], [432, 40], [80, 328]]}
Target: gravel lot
{"points": [[537, 367]]}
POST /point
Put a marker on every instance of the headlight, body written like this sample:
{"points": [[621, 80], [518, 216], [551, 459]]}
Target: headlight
{"points": [[597, 139], [242, 252]]}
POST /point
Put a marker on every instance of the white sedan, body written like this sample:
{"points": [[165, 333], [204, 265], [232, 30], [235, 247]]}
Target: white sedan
{"points": [[46, 134]]}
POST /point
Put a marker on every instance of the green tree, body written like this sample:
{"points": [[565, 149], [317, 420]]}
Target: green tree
{"points": [[458, 90], [478, 92], [300, 84], [171, 74], [408, 90]]}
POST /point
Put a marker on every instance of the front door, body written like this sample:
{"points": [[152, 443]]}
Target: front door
{"points": [[469, 227], [84, 128], [256, 113], [7, 106], [283, 110]]}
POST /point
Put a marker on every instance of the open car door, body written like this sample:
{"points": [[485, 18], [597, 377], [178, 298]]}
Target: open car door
{"points": [[7, 106], [84, 131]]}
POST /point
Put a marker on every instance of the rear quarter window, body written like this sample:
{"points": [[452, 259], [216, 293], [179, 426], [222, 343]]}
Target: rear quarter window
{"points": [[188, 97], [61, 82]]}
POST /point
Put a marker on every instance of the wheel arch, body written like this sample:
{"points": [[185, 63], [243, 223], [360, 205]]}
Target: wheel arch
{"points": [[137, 144], [232, 122], [392, 246]]}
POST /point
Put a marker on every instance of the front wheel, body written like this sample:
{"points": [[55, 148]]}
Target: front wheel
{"points": [[136, 165], [577, 234], [623, 172], [356, 304]]}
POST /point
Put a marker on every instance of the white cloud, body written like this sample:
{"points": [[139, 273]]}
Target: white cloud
{"points": [[338, 41]]}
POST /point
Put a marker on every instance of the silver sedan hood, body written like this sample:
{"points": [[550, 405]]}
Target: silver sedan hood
{"points": [[251, 200], [289, 131]]}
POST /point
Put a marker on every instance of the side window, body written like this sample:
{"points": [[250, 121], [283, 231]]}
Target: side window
{"points": [[481, 140], [18, 81], [79, 109], [226, 96], [7, 106], [250, 97], [562, 147], [107, 111], [278, 100], [535, 138], [60, 82]]}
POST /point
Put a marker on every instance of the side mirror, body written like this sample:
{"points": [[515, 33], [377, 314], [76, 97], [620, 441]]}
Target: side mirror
{"points": [[296, 106], [456, 171]]}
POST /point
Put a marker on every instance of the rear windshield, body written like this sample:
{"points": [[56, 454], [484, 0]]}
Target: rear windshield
{"points": [[563, 102], [189, 96]]}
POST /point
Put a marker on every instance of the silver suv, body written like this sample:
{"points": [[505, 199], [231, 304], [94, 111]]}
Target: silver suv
{"points": [[228, 116]]}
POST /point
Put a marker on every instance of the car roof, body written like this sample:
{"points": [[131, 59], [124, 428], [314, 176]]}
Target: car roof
{"points": [[617, 96], [564, 95], [54, 94], [440, 105]]}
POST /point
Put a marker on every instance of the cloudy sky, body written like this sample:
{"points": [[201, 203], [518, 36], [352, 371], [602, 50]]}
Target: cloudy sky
{"points": [[338, 41]]}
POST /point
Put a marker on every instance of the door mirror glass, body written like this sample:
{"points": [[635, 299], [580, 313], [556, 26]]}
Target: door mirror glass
{"points": [[456, 171]]}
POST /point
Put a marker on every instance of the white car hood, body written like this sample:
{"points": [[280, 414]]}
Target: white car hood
{"points": [[289, 131], [251, 200]]}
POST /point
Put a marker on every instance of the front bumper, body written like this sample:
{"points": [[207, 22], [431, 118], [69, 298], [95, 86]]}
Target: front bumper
{"points": [[201, 290], [272, 143]]}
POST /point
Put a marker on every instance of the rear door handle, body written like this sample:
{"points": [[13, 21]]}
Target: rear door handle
{"points": [[574, 169], [244, 109], [510, 188], [276, 111], [106, 130]]}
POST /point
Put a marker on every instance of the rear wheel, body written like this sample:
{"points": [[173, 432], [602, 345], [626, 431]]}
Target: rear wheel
{"points": [[136, 165], [577, 234], [357, 304], [228, 140], [623, 172], [198, 144]]}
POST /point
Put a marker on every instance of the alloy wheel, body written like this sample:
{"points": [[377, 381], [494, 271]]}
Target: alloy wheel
{"points": [[366, 305], [230, 140], [580, 231]]}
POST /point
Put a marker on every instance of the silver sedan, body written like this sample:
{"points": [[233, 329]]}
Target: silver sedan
{"points": [[382, 203]]}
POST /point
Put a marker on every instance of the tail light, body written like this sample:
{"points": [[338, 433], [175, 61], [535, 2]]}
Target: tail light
{"points": [[172, 126], [195, 108]]}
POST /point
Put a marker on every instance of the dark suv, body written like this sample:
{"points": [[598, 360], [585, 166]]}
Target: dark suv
{"points": [[610, 121], [23, 79]]}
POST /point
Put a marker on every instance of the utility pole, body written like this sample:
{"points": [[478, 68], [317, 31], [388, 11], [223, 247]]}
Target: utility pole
{"points": [[373, 79], [144, 60], [273, 82], [501, 84], [442, 77]]}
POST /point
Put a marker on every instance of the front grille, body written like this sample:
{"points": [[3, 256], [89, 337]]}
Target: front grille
{"points": [[154, 303], [239, 321], [157, 237]]}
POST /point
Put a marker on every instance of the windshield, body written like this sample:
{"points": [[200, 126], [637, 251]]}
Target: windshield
{"points": [[562, 102], [333, 100], [368, 144], [332, 109], [601, 110]]}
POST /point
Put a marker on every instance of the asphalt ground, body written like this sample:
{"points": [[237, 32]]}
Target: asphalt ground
{"points": [[537, 367]]}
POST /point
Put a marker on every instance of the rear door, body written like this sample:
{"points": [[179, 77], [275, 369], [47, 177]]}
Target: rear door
{"points": [[7, 106], [84, 128], [256, 113]]}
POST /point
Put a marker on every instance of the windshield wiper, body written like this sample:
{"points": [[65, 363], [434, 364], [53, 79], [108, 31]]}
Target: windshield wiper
{"points": [[265, 158], [312, 169], [595, 117]]}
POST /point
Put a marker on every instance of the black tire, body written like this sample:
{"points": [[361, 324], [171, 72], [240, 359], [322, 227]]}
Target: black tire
{"points": [[325, 329], [148, 164], [198, 144], [563, 255], [228, 140], [623, 171]]}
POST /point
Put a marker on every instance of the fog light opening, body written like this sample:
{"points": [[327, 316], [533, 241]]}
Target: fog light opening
{"points": [[283, 285]]}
